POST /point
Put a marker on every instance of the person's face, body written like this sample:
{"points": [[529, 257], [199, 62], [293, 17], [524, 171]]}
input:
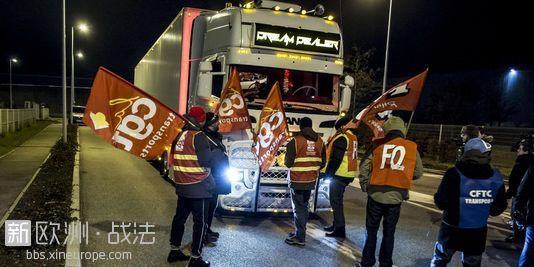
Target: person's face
{"points": [[521, 150], [214, 127]]}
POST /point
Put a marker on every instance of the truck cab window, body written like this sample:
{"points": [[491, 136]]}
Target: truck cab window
{"points": [[217, 83]]}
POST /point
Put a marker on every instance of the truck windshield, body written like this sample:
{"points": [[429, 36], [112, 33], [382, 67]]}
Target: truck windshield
{"points": [[296, 86]]}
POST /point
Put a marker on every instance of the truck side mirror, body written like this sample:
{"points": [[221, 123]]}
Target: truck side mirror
{"points": [[346, 92], [205, 79]]}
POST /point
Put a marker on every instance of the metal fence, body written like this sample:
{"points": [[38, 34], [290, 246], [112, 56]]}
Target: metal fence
{"points": [[14, 119], [502, 135]]}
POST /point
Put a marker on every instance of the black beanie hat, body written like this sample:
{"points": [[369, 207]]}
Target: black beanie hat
{"points": [[305, 123]]}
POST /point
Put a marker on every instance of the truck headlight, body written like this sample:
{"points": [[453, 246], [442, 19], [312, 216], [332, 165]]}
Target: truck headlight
{"points": [[233, 175]]}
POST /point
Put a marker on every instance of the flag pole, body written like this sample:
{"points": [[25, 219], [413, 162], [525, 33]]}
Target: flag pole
{"points": [[409, 122]]}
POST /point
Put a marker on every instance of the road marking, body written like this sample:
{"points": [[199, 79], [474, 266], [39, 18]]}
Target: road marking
{"points": [[428, 199], [74, 247], [14, 204], [344, 246], [13, 150]]}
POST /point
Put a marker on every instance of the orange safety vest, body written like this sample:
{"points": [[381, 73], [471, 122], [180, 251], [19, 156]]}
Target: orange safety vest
{"points": [[307, 161], [349, 165], [187, 169], [394, 163]]}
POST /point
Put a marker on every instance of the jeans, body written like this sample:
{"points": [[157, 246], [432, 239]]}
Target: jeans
{"points": [[199, 208], [300, 200], [443, 255], [375, 212], [527, 255], [337, 189]]}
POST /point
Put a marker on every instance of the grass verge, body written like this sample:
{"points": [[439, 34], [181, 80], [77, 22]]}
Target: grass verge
{"points": [[47, 200], [501, 157], [9, 141]]}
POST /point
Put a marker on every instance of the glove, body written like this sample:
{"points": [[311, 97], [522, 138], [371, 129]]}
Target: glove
{"points": [[519, 219]]}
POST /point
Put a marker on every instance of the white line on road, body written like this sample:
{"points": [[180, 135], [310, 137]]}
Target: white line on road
{"points": [[429, 199], [13, 150], [14, 204], [74, 247]]}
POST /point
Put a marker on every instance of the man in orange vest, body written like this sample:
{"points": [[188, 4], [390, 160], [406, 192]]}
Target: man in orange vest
{"points": [[305, 156], [386, 175], [194, 187], [340, 170]]}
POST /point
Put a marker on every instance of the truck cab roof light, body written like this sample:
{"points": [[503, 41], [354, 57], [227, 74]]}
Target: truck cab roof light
{"points": [[277, 8], [291, 10], [330, 17]]}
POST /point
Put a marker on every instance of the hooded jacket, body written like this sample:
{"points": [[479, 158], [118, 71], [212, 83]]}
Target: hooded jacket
{"points": [[205, 188], [522, 163], [524, 200], [394, 128], [475, 165], [291, 153], [219, 162]]}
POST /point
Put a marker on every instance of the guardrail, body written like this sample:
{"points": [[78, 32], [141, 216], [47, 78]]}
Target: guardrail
{"points": [[505, 136], [14, 119]]}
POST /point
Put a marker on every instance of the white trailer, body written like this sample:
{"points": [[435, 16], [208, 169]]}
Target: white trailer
{"points": [[267, 41]]}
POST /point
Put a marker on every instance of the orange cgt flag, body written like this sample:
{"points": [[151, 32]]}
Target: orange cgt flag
{"points": [[403, 96], [272, 130], [128, 118], [232, 110]]}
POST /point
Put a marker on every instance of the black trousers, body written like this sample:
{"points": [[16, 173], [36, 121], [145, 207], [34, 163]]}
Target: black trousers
{"points": [[300, 200], [199, 208], [211, 210], [337, 190], [375, 212]]}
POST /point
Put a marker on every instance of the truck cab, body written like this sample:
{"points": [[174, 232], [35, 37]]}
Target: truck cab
{"points": [[267, 42]]}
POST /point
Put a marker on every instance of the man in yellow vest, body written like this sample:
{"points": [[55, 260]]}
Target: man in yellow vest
{"points": [[386, 175], [194, 187], [340, 170], [305, 156]]}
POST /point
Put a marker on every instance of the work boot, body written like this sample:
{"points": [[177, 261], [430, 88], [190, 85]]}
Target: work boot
{"points": [[295, 241], [176, 255], [198, 262], [212, 233], [329, 229], [338, 232]]}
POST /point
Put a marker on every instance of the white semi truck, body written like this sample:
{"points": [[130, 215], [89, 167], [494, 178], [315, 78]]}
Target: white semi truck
{"points": [[267, 41]]}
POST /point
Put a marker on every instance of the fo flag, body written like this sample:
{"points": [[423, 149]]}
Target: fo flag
{"points": [[129, 118], [404, 96], [271, 130], [232, 110]]}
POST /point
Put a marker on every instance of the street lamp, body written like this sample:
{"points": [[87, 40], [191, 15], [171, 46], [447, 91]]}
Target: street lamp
{"points": [[84, 29], [11, 61], [387, 49]]}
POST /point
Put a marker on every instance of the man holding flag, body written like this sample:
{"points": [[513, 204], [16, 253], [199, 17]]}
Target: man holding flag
{"points": [[340, 169], [194, 187], [387, 171]]}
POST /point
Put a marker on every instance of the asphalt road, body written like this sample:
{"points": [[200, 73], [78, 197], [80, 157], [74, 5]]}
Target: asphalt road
{"points": [[119, 188], [18, 166]]}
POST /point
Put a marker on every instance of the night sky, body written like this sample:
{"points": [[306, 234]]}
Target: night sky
{"points": [[445, 35]]}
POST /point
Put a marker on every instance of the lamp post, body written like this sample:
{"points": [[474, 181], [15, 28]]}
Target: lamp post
{"points": [[387, 49], [83, 28], [64, 91], [11, 61]]}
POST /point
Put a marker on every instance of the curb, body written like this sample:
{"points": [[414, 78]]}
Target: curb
{"points": [[73, 248]]}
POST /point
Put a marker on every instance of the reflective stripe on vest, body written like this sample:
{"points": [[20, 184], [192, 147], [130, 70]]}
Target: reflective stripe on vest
{"points": [[476, 196], [307, 160], [349, 164], [394, 163], [187, 169]]}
